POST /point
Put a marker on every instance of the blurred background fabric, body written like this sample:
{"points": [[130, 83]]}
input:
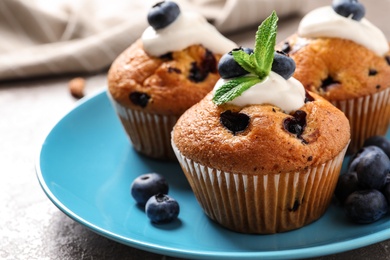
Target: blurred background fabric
{"points": [[53, 37]]}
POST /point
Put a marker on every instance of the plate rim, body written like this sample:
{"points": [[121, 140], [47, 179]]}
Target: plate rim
{"points": [[304, 252]]}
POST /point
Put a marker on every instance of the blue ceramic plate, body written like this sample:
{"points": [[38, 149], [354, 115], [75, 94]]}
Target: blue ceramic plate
{"points": [[86, 166]]}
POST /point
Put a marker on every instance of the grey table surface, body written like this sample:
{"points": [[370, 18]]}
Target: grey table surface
{"points": [[34, 228]]}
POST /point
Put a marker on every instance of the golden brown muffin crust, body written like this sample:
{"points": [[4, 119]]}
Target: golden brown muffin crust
{"points": [[166, 80], [265, 146], [338, 69]]}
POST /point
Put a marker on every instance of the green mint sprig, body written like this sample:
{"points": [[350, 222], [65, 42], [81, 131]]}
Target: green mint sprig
{"points": [[258, 63]]}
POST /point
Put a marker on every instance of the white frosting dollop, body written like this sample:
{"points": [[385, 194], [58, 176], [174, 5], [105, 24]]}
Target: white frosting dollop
{"points": [[289, 94], [188, 29], [325, 22]]}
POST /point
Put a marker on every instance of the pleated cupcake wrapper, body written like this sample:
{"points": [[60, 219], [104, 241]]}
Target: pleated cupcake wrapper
{"points": [[150, 134], [368, 116], [263, 204]]}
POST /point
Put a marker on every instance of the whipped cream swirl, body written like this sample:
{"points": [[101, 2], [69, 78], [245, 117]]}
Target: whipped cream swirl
{"points": [[289, 94], [325, 22], [188, 29]]}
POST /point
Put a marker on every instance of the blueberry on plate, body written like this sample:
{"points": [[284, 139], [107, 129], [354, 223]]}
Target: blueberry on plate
{"points": [[229, 68], [349, 8], [365, 206], [355, 159], [283, 65], [161, 208], [163, 14], [372, 169], [346, 184], [379, 141], [147, 185], [386, 192]]}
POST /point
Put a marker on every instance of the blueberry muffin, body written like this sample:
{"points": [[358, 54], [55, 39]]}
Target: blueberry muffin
{"points": [[170, 68], [344, 58], [266, 158]]}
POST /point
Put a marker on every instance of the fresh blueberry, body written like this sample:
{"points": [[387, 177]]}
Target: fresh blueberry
{"points": [[349, 8], [379, 141], [229, 68], [355, 159], [346, 184], [163, 14], [283, 65], [147, 185], [372, 169], [365, 206], [161, 208], [386, 192]]}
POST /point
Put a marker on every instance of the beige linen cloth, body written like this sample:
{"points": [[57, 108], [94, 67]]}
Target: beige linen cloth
{"points": [[53, 37]]}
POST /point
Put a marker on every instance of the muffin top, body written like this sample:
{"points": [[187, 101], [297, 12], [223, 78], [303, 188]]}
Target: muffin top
{"points": [[163, 85], [265, 145], [163, 74], [261, 120], [340, 54], [338, 69]]}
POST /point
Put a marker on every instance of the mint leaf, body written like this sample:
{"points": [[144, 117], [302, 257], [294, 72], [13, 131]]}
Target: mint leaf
{"points": [[258, 63], [234, 88], [244, 60], [265, 45]]}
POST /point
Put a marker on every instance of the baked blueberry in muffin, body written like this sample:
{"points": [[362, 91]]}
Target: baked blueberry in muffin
{"points": [[170, 68], [261, 154], [343, 57]]}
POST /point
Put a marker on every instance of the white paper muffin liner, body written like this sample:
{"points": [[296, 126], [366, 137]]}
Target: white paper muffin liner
{"points": [[263, 204], [368, 116], [150, 134]]}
